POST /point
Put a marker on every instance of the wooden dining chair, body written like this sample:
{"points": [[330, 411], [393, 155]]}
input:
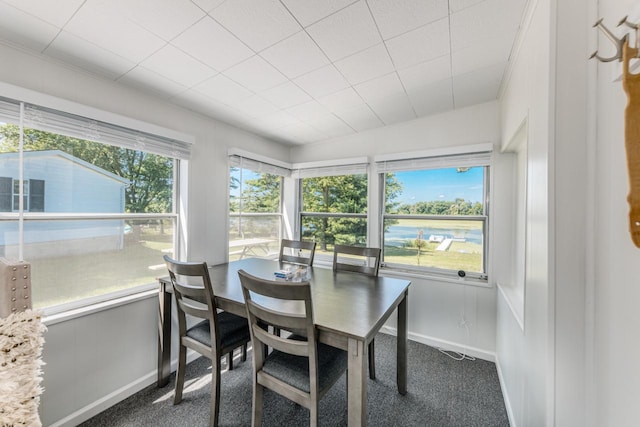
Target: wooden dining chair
{"points": [[299, 368], [364, 261], [297, 251], [217, 333]]}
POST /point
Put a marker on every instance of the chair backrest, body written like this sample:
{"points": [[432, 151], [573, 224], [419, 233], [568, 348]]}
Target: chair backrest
{"points": [[298, 318], [357, 259], [292, 251], [194, 295]]}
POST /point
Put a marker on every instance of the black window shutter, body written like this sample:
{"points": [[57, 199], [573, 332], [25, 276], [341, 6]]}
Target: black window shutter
{"points": [[36, 195], [6, 194]]}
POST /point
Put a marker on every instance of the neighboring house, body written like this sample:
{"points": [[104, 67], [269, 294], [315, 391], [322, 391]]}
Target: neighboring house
{"points": [[57, 182]]}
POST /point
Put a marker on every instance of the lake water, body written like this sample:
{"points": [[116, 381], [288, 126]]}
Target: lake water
{"points": [[398, 234]]}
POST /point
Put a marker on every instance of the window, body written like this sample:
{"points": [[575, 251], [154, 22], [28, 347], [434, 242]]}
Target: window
{"points": [[255, 208], [107, 216], [32, 196], [333, 207], [434, 214]]}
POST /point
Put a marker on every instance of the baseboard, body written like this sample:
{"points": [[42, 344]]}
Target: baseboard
{"points": [[94, 408], [505, 395], [445, 345]]}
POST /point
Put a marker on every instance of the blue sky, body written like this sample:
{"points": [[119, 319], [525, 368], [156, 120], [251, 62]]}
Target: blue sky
{"points": [[441, 184], [425, 185]]}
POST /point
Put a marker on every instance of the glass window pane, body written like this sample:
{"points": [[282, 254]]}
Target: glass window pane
{"points": [[336, 194], [253, 236], [72, 259], [9, 240], [327, 232], [252, 197], [84, 176], [443, 244], [451, 191]]}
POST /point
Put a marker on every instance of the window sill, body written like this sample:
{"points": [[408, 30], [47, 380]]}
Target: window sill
{"points": [[389, 272], [143, 292]]}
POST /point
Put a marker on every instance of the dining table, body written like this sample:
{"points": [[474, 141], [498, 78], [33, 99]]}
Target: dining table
{"points": [[349, 309]]}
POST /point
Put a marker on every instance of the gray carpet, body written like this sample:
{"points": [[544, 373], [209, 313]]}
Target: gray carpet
{"points": [[441, 392]]}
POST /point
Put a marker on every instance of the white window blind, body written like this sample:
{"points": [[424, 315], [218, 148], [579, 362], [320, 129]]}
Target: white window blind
{"points": [[9, 111], [50, 120], [482, 158], [257, 166], [314, 172]]}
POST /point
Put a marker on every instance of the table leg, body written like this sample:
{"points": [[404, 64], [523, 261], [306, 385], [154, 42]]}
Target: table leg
{"points": [[357, 384], [164, 336], [401, 368]]}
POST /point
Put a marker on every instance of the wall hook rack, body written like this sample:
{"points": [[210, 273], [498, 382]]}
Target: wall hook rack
{"points": [[631, 86]]}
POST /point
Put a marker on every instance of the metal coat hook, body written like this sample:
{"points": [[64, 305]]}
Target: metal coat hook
{"points": [[618, 43]]}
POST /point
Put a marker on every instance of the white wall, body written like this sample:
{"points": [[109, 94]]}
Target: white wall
{"points": [[523, 355], [436, 306], [616, 294], [96, 359]]}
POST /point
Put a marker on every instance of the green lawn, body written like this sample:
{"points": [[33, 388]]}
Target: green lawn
{"points": [[63, 279]]}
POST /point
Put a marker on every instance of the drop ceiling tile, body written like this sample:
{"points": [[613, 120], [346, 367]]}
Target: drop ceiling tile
{"points": [[474, 57], [321, 82], [259, 23], [360, 118], [434, 98], [99, 24], [286, 95], [478, 86], [307, 12], [79, 52], [208, 5], [346, 32], [477, 25], [425, 73], [221, 49], [255, 106], [12, 27], [307, 111], [295, 55], [150, 81], [54, 12], [223, 89], [303, 133], [255, 74], [395, 17], [166, 19], [458, 5], [331, 126], [366, 65], [342, 100], [279, 119], [393, 109], [423, 44], [176, 65], [196, 101], [380, 88]]}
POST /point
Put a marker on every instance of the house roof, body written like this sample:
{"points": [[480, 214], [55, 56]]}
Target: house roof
{"points": [[68, 157]]}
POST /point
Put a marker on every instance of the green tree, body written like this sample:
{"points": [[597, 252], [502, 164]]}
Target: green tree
{"points": [[150, 176]]}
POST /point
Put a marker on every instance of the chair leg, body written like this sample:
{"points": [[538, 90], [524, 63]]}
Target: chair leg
{"points": [[313, 413], [243, 350], [372, 360], [256, 417], [215, 393], [182, 365], [230, 360]]}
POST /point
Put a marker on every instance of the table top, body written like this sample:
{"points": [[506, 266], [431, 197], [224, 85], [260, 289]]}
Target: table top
{"points": [[349, 304]]}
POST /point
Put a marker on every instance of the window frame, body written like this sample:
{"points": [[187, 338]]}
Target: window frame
{"points": [[485, 218], [341, 170], [258, 165], [131, 134]]}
